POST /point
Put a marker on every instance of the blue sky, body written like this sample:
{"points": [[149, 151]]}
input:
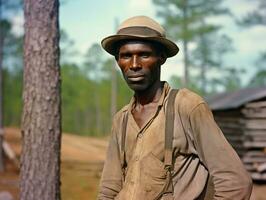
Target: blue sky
{"points": [[88, 21]]}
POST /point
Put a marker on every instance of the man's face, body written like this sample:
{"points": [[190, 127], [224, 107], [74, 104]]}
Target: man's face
{"points": [[140, 64]]}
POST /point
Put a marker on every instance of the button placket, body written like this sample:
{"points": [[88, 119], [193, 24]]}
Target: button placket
{"points": [[140, 135], [139, 146]]}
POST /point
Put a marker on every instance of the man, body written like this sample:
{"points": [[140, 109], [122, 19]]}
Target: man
{"points": [[136, 163]]}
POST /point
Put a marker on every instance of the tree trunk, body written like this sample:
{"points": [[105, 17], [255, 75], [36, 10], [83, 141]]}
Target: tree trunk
{"points": [[2, 35], [41, 120], [204, 63], [186, 64], [98, 116], [113, 91], [114, 83], [1, 105], [185, 45]]}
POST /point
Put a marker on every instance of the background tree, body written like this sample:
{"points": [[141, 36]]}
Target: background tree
{"points": [[186, 19], [6, 10], [208, 58], [254, 18], [4, 28], [259, 79], [41, 120]]}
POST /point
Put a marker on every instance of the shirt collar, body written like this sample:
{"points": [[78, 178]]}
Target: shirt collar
{"points": [[161, 101]]}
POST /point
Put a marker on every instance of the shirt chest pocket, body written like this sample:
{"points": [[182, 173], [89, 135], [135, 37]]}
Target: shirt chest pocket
{"points": [[152, 176]]}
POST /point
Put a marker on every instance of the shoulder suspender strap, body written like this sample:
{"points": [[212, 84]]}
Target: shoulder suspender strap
{"points": [[123, 141], [169, 128], [124, 132]]}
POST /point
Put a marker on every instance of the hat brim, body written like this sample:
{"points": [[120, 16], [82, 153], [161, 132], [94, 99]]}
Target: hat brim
{"points": [[110, 43]]}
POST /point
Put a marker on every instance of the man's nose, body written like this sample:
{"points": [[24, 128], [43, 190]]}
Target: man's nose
{"points": [[135, 63]]}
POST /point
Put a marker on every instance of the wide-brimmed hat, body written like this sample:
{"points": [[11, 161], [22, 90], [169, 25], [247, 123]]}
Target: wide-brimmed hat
{"points": [[140, 28]]}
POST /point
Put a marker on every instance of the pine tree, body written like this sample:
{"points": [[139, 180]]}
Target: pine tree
{"points": [[254, 18], [185, 20], [41, 120]]}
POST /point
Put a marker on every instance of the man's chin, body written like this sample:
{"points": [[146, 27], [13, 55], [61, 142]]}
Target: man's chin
{"points": [[137, 87]]}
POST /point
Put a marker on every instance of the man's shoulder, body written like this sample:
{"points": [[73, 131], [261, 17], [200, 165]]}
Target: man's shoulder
{"points": [[120, 113], [187, 100]]}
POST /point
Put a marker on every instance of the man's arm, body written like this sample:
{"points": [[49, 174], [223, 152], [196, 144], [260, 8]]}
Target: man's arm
{"points": [[111, 180], [231, 180]]}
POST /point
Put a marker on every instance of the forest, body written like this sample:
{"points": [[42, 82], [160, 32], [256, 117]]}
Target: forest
{"points": [[93, 90]]}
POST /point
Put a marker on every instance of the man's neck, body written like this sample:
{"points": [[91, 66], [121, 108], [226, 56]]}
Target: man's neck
{"points": [[152, 95]]}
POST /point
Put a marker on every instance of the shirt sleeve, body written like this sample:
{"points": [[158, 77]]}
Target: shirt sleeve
{"points": [[231, 180], [111, 180]]}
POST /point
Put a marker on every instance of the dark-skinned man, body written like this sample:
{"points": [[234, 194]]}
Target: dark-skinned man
{"points": [[165, 143]]}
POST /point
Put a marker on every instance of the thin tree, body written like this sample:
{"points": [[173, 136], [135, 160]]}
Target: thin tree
{"points": [[41, 120], [1, 87], [114, 83], [257, 17], [209, 55], [185, 20]]}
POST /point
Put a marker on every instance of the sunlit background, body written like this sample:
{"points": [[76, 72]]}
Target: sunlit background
{"points": [[223, 48], [229, 55]]}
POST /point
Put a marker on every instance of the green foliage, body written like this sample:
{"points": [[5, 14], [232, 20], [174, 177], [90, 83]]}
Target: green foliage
{"points": [[12, 98], [208, 57], [255, 17], [231, 81], [259, 78], [67, 50], [183, 18], [86, 91], [11, 66], [187, 21], [176, 82]]}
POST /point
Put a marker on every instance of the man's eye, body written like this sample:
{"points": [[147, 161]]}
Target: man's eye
{"points": [[125, 56], [145, 55]]}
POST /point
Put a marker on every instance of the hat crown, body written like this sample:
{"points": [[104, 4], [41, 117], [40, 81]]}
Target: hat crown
{"points": [[140, 28], [142, 21]]}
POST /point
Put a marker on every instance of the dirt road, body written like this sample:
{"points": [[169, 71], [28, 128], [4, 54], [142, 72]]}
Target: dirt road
{"points": [[82, 162]]}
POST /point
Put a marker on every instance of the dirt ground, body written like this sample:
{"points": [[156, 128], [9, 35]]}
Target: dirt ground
{"points": [[82, 162]]}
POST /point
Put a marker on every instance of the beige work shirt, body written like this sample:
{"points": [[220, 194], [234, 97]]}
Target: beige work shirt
{"points": [[199, 149]]}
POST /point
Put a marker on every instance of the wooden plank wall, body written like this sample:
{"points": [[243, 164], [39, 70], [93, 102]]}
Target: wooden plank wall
{"points": [[245, 129], [230, 123], [254, 129]]}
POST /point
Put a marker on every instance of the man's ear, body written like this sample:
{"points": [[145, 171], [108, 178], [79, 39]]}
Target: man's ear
{"points": [[162, 58]]}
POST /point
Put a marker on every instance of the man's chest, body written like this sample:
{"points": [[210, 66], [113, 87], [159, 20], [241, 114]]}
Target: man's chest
{"points": [[143, 114], [147, 139]]}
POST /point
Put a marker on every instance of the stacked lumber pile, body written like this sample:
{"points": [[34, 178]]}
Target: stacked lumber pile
{"points": [[230, 123], [245, 129], [254, 131]]}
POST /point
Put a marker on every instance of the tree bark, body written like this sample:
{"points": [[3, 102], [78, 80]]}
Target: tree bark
{"points": [[2, 35], [186, 64], [114, 83], [186, 77], [113, 91], [41, 120], [1, 105]]}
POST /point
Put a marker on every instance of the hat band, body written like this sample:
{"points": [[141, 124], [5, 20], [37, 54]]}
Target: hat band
{"points": [[139, 31]]}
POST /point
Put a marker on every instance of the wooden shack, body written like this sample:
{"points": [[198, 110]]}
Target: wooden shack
{"points": [[242, 117]]}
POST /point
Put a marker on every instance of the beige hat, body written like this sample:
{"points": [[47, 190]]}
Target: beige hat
{"points": [[140, 28]]}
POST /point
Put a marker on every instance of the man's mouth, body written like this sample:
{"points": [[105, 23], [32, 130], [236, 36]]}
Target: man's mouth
{"points": [[135, 78]]}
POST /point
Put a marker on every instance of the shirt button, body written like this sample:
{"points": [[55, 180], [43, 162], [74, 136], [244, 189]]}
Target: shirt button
{"points": [[148, 188], [140, 135], [137, 158]]}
